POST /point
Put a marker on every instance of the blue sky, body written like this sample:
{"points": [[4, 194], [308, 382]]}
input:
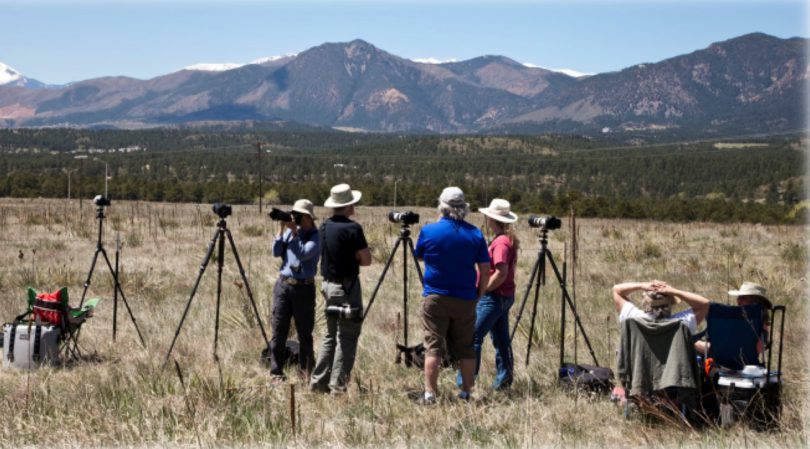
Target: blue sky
{"points": [[63, 41]]}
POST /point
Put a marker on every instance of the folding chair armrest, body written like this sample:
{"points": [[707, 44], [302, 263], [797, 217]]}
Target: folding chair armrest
{"points": [[84, 311]]}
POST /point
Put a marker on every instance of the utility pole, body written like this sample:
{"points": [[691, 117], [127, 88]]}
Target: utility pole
{"points": [[259, 160], [81, 159]]}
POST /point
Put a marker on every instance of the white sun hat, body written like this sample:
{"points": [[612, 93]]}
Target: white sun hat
{"points": [[752, 289], [304, 206], [342, 195], [499, 210]]}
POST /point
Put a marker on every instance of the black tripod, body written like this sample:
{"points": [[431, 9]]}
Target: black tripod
{"points": [[219, 240], [404, 240], [101, 202], [537, 280]]}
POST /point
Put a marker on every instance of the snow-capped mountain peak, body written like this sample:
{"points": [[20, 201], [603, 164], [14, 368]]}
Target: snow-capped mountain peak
{"points": [[267, 59], [569, 72], [8, 74], [213, 67], [434, 61]]}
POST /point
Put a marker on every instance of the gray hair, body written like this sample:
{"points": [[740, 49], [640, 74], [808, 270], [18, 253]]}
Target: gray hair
{"points": [[454, 212]]}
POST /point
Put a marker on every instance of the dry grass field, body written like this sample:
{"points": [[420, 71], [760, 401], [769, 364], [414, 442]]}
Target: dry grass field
{"points": [[121, 396]]}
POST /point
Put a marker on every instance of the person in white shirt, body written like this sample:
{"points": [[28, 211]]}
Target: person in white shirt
{"points": [[659, 297]]}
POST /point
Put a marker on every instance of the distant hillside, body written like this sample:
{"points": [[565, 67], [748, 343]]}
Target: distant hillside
{"points": [[753, 83]]}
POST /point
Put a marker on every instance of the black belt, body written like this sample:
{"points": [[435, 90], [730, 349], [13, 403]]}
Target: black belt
{"points": [[339, 280], [294, 281]]}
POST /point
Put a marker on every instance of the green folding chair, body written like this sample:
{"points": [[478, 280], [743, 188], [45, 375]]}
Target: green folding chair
{"points": [[54, 309]]}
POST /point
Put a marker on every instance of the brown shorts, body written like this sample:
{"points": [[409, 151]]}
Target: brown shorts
{"points": [[449, 323]]}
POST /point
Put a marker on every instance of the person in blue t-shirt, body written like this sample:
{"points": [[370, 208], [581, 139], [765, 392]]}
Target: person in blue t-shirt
{"points": [[451, 249]]}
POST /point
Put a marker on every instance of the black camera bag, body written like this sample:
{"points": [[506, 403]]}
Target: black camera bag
{"points": [[597, 379]]}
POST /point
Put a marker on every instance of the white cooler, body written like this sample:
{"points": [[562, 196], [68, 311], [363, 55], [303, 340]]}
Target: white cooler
{"points": [[31, 346]]}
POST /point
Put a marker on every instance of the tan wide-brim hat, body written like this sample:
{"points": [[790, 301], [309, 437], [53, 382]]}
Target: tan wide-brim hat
{"points": [[499, 210], [304, 206], [752, 289], [342, 195]]}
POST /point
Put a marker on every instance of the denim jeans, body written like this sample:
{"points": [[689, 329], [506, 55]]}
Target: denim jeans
{"points": [[492, 315]]}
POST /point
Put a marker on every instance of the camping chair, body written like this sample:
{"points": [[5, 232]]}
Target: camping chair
{"points": [[54, 309], [742, 383], [648, 350]]}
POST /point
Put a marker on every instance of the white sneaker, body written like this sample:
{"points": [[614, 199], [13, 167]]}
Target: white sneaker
{"points": [[429, 399]]}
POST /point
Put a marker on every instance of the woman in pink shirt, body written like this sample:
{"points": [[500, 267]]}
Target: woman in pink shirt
{"points": [[492, 311]]}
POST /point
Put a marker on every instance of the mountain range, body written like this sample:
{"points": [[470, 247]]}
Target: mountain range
{"points": [[752, 83]]}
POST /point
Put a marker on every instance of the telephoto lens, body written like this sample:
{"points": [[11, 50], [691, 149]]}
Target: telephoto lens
{"points": [[344, 311], [279, 215], [548, 223], [101, 201], [406, 218]]}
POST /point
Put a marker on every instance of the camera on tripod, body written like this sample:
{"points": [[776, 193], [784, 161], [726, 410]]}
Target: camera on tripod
{"points": [[406, 218], [279, 215], [345, 311], [546, 223], [222, 209], [101, 201]]}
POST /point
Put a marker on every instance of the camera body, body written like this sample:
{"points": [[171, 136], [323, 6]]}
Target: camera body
{"points": [[345, 311], [406, 218], [548, 223], [101, 201], [222, 209], [279, 215]]}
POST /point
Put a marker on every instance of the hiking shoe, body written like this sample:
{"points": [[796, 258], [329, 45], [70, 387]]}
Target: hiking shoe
{"points": [[429, 399]]}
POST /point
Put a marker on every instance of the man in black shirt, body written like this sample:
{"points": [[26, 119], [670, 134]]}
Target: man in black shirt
{"points": [[343, 251]]}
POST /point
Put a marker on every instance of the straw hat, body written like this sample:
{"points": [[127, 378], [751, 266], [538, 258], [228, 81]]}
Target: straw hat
{"points": [[304, 206], [752, 289], [342, 195], [499, 210]]}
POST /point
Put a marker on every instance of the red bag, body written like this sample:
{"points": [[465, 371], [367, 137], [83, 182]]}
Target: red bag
{"points": [[49, 308]]}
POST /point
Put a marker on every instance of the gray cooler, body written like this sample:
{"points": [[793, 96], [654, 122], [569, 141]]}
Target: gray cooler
{"points": [[30, 347]]}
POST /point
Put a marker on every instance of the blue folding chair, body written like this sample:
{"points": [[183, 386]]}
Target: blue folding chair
{"points": [[734, 334]]}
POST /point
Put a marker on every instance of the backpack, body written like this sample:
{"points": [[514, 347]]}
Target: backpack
{"points": [[49, 308]]}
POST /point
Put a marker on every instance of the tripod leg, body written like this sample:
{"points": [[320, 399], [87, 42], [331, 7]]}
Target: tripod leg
{"points": [[89, 276], [247, 288], [120, 291], [539, 280], [525, 298], [571, 305], [220, 264], [382, 276], [115, 295], [203, 266], [405, 294], [416, 262]]}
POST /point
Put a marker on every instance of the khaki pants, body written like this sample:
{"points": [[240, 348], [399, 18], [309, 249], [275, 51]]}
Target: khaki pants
{"points": [[339, 346]]}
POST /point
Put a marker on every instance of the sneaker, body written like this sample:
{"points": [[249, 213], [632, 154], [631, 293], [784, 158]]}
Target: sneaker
{"points": [[278, 380], [429, 399], [465, 396]]}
